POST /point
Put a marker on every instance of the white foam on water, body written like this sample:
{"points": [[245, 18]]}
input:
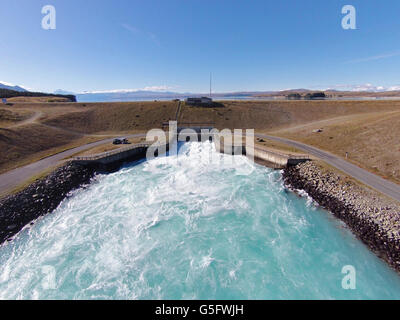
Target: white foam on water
{"points": [[193, 226]]}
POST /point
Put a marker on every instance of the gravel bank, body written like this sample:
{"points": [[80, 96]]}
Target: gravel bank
{"points": [[374, 218], [40, 198]]}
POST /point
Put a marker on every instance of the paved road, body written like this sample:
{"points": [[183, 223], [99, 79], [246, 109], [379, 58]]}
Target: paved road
{"points": [[384, 186], [13, 178]]}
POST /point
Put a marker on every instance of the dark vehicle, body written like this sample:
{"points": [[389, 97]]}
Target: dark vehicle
{"points": [[121, 141]]}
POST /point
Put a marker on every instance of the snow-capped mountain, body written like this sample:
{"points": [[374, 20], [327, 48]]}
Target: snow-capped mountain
{"points": [[9, 86]]}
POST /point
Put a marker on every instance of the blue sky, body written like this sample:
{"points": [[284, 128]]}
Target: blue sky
{"points": [[175, 44]]}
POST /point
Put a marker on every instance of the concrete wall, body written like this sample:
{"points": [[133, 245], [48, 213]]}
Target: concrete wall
{"points": [[111, 161], [114, 159], [271, 159], [109, 158], [281, 161]]}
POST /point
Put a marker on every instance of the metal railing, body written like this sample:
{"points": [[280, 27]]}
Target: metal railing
{"points": [[286, 155], [111, 153], [146, 145]]}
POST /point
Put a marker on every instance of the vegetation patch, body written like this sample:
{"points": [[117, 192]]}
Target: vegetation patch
{"points": [[6, 93]]}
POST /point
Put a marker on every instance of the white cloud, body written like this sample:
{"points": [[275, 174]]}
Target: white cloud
{"points": [[130, 28], [366, 87], [157, 88], [362, 87], [7, 83], [377, 57], [13, 85], [137, 31], [148, 88], [393, 88]]}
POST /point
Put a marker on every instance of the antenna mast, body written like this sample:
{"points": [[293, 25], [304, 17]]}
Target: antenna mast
{"points": [[210, 85]]}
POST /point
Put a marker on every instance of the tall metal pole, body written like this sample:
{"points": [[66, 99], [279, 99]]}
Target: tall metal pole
{"points": [[210, 84]]}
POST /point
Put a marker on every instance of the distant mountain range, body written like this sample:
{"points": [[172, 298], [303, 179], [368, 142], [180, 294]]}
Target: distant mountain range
{"points": [[113, 96], [333, 94], [60, 91], [12, 87], [6, 93], [367, 91], [136, 95], [158, 95]]}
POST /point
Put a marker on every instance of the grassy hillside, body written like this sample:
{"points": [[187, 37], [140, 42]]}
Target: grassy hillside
{"points": [[371, 140], [32, 142], [267, 116], [44, 99], [115, 117], [8, 117], [367, 130], [29, 132], [6, 93]]}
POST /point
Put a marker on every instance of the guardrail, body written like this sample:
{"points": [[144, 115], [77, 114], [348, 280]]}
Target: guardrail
{"points": [[146, 145], [290, 156], [111, 153]]}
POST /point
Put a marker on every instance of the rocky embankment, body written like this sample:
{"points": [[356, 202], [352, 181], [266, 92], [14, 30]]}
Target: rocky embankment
{"points": [[371, 216], [40, 198]]}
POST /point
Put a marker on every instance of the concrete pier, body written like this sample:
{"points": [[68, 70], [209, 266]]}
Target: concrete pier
{"points": [[270, 158], [279, 160], [113, 160]]}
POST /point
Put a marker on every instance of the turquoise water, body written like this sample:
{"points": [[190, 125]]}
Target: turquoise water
{"points": [[197, 226]]}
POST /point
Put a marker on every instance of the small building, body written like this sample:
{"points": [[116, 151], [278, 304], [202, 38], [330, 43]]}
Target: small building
{"points": [[203, 101]]}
